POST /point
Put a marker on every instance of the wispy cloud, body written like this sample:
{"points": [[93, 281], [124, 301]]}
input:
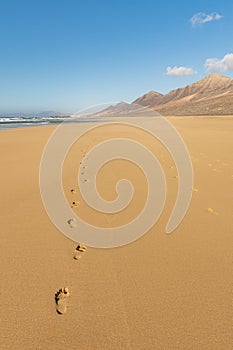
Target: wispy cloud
{"points": [[202, 18], [180, 71], [215, 64]]}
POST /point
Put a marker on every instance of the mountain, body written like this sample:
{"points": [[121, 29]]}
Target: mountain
{"points": [[212, 95]]}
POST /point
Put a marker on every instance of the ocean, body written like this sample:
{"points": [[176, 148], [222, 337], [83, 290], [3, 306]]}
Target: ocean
{"points": [[24, 122]]}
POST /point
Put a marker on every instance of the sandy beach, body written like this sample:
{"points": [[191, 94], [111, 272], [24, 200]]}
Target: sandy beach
{"points": [[162, 292]]}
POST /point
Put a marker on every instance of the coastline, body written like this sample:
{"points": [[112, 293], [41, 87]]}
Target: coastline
{"points": [[17, 123]]}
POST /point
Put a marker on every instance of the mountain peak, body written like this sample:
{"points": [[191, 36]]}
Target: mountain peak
{"points": [[216, 79], [217, 76], [213, 82], [152, 97]]}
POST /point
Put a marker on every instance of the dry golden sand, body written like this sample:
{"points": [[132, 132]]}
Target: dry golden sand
{"points": [[163, 292]]}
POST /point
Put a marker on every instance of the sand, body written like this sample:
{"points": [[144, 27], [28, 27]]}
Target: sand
{"points": [[161, 292]]}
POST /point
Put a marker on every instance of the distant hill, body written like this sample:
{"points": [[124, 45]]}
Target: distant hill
{"points": [[121, 109], [212, 95]]}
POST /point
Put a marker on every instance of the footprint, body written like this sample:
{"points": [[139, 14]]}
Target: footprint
{"points": [[72, 223], [212, 211], [80, 249], [75, 204], [85, 180], [61, 300]]}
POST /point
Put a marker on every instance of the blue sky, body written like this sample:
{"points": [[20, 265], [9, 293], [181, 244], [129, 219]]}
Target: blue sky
{"points": [[67, 55]]}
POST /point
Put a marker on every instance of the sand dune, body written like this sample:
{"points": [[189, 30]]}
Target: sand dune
{"points": [[163, 292]]}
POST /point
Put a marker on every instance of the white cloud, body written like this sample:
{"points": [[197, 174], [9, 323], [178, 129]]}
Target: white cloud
{"points": [[225, 64], [180, 71], [202, 18]]}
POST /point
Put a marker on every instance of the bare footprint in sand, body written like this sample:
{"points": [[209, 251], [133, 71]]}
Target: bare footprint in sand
{"points": [[80, 249], [212, 211], [75, 204], [61, 300], [72, 223]]}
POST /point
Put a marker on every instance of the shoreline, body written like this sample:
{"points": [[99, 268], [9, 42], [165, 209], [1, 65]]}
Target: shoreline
{"points": [[105, 119]]}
